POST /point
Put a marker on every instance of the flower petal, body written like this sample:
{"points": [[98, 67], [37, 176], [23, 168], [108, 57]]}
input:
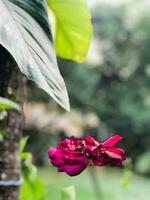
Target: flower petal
{"points": [[51, 152], [113, 155], [116, 153], [91, 141], [71, 159], [72, 170], [55, 157], [112, 141]]}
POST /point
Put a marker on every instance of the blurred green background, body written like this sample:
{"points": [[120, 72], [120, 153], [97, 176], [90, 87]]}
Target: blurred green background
{"points": [[109, 94]]}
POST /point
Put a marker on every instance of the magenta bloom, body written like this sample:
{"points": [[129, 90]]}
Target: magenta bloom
{"points": [[73, 155], [104, 153], [69, 156]]}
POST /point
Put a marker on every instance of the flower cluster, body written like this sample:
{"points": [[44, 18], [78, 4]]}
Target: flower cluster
{"points": [[73, 155]]}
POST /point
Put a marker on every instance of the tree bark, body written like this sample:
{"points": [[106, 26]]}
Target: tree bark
{"points": [[12, 86]]}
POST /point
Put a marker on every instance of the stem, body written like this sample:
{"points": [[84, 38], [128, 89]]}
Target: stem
{"points": [[96, 184]]}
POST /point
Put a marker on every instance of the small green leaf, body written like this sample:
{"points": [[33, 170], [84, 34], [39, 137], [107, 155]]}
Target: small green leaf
{"points": [[3, 133], [34, 191], [23, 143], [124, 183], [68, 193], [6, 104], [26, 156], [72, 28]]}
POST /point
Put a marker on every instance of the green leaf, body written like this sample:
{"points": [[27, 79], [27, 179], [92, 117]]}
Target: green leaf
{"points": [[23, 143], [25, 33], [26, 156], [34, 191], [68, 193], [3, 133], [72, 28], [6, 104]]}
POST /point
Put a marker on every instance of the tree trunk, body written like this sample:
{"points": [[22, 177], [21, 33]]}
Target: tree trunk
{"points": [[12, 84]]}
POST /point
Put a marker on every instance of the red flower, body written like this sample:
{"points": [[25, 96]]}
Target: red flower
{"points": [[72, 155], [104, 153], [69, 156]]}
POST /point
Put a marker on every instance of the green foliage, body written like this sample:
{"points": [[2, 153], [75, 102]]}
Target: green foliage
{"points": [[33, 187], [25, 24], [34, 191], [6, 104], [127, 174], [82, 82], [68, 193], [23, 144], [143, 164], [122, 101], [39, 143], [72, 28], [3, 133]]}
